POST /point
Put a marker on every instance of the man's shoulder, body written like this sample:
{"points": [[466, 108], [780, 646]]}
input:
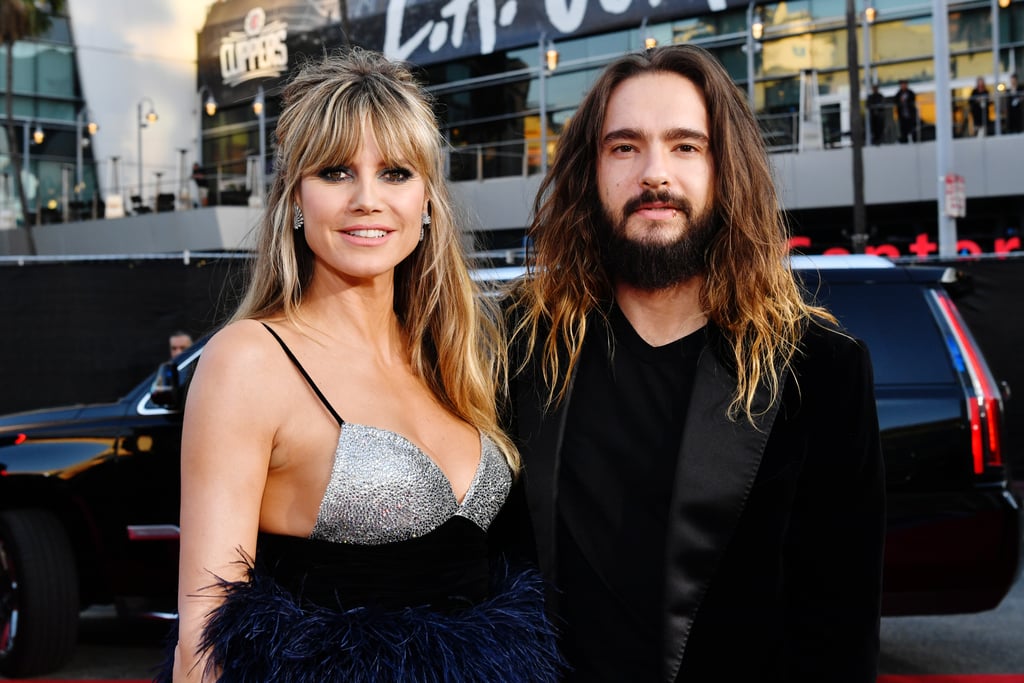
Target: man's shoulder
{"points": [[826, 344]]}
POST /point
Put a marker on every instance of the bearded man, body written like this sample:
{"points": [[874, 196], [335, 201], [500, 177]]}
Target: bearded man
{"points": [[702, 462]]}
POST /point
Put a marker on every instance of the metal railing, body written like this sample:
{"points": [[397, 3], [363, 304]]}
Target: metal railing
{"points": [[231, 183]]}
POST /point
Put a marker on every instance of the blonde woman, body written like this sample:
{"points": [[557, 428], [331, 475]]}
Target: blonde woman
{"points": [[341, 457]]}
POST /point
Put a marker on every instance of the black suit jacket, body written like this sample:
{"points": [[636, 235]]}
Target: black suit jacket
{"points": [[774, 549]]}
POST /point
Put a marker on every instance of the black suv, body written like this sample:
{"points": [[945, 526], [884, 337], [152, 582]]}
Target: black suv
{"points": [[89, 494]]}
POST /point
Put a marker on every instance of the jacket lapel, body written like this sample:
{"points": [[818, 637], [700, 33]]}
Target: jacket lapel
{"points": [[718, 461]]}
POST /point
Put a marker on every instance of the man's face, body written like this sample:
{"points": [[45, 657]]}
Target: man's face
{"points": [[179, 343], [656, 180]]}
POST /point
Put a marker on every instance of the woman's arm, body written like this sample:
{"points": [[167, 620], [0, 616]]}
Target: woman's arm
{"points": [[226, 445]]}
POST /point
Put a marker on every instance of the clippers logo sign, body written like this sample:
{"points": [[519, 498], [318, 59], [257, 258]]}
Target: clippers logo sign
{"points": [[259, 51]]}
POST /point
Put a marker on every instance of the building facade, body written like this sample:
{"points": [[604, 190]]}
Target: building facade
{"points": [[507, 76]]}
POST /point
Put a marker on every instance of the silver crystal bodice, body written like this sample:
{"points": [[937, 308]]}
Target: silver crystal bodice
{"points": [[384, 489]]}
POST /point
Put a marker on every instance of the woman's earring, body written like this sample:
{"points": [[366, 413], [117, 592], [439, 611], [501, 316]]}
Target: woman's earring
{"points": [[425, 223], [298, 221]]}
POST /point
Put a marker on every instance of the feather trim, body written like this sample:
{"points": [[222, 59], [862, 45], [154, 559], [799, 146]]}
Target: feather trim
{"points": [[260, 633]]}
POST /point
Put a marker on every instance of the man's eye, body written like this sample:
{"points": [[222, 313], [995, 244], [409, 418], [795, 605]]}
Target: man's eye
{"points": [[335, 174], [623, 148], [396, 175]]}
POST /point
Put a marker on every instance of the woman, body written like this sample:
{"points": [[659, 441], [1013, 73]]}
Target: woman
{"points": [[312, 556]]}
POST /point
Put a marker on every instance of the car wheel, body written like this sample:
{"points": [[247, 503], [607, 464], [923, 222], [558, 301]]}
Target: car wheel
{"points": [[38, 594]]}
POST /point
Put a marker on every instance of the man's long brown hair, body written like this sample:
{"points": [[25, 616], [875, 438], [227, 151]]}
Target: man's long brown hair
{"points": [[748, 290]]}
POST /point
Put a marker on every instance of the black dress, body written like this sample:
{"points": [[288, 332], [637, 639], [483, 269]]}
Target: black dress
{"points": [[395, 583]]}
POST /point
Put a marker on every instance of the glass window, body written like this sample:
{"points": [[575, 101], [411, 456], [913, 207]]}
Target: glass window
{"points": [[970, 30], [782, 96], [828, 50], [59, 31], [567, 89], [892, 74], [787, 55], [888, 5], [694, 28], [972, 65], [731, 22], [828, 9], [899, 40], [782, 13], [57, 72], [24, 66], [734, 59], [873, 312]]}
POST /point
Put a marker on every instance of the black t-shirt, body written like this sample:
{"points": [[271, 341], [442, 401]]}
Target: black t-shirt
{"points": [[618, 463]]}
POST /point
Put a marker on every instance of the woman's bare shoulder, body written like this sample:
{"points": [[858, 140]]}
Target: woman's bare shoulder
{"points": [[240, 344], [239, 358]]}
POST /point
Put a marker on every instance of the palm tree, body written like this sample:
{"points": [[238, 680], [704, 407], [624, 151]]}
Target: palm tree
{"points": [[21, 19]]}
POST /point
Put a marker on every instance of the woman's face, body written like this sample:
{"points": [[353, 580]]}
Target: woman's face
{"points": [[363, 218]]}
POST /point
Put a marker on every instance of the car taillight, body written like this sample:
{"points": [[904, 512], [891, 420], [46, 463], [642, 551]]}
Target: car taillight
{"points": [[985, 405]]}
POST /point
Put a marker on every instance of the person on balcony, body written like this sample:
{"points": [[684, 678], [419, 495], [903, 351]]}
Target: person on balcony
{"points": [[1015, 105], [980, 101], [905, 102]]}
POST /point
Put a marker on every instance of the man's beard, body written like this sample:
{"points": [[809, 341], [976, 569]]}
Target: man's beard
{"points": [[651, 265]]}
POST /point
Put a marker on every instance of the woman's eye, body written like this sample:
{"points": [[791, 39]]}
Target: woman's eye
{"points": [[335, 174], [396, 175]]}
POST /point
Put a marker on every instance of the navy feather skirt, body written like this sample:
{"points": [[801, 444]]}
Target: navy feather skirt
{"points": [[268, 630]]}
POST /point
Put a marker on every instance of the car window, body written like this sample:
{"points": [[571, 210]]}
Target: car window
{"points": [[895, 322]]}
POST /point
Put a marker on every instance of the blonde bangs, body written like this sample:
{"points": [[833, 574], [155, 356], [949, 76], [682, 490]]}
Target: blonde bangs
{"points": [[335, 131]]}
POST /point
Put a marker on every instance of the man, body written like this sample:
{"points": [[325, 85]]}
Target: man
{"points": [[702, 466], [179, 341], [905, 102], [878, 112], [1015, 108]]}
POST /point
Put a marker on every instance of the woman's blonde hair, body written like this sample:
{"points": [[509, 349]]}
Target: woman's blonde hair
{"points": [[748, 291], [328, 106]]}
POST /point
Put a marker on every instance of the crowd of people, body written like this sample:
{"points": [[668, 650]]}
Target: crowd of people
{"points": [[649, 459], [895, 117]]}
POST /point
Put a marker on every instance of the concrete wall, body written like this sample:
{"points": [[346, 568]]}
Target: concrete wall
{"points": [[991, 167], [212, 228]]}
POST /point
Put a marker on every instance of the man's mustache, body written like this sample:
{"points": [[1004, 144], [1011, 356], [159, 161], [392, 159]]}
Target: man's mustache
{"points": [[662, 197]]}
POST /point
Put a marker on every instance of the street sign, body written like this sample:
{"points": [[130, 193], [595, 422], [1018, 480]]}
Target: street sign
{"points": [[956, 196]]}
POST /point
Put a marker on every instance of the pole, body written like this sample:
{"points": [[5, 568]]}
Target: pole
{"points": [[943, 126], [860, 233], [184, 198], [750, 54], [78, 151], [995, 64], [869, 134], [542, 97], [142, 200], [199, 125]]}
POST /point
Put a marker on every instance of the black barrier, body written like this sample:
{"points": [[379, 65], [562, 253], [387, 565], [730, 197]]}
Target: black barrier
{"points": [[87, 331]]}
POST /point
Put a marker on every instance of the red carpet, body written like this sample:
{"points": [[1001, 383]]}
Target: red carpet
{"points": [[951, 678], [966, 678]]}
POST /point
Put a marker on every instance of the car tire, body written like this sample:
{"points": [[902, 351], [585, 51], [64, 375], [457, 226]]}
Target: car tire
{"points": [[38, 594]]}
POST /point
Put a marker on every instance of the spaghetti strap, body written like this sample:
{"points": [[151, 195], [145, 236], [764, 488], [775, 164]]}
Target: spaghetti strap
{"points": [[309, 380]]}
